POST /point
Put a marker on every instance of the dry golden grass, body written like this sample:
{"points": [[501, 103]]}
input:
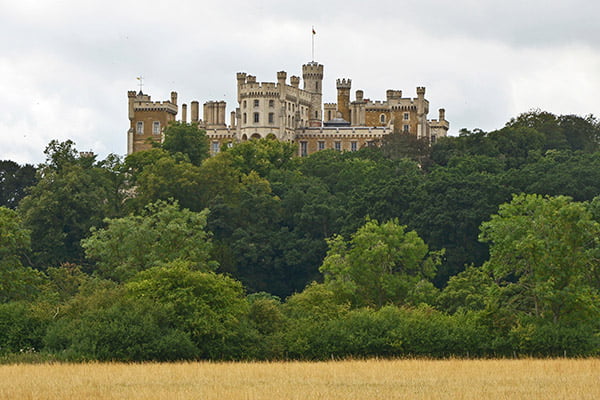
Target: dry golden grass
{"points": [[370, 379]]}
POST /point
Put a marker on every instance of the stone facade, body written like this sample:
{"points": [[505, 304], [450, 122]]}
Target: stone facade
{"points": [[287, 112], [148, 119]]}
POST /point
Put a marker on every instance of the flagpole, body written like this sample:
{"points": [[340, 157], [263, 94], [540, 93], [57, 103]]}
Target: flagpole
{"points": [[313, 44]]}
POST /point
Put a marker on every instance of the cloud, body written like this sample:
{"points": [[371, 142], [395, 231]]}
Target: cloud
{"points": [[67, 67]]}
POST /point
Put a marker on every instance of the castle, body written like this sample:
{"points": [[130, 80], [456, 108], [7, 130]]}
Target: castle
{"points": [[287, 112]]}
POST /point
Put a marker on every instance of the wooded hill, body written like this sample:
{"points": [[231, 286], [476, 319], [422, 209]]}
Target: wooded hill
{"points": [[486, 244]]}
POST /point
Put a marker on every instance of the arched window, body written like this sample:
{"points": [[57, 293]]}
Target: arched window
{"points": [[382, 118]]}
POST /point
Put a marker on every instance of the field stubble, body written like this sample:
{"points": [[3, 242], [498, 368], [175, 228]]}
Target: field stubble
{"points": [[368, 379]]}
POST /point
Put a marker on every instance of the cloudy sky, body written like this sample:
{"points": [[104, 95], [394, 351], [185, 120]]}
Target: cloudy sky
{"points": [[66, 65]]}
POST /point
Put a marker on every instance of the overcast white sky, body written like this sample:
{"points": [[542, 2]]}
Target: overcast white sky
{"points": [[66, 65]]}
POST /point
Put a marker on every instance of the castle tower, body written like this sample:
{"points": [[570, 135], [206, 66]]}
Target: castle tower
{"points": [[343, 97], [148, 119], [312, 73]]}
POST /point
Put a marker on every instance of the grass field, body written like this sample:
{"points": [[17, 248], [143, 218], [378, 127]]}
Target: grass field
{"points": [[370, 379]]}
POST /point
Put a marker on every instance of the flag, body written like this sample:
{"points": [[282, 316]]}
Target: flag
{"points": [[314, 32]]}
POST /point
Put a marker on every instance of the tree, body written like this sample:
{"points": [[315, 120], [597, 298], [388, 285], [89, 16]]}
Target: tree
{"points": [[14, 181], [541, 252], [450, 205], [186, 139], [158, 175], [16, 281], [262, 156], [380, 264], [109, 324], [162, 233], [74, 193], [398, 145], [209, 306]]}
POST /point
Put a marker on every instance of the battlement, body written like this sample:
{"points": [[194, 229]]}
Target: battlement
{"points": [[281, 76], [377, 103], [421, 90], [312, 70], [344, 83], [241, 77], [155, 106], [393, 94]]}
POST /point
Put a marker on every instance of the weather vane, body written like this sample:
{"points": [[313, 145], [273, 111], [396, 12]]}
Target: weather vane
{"points": [[141, 79]]}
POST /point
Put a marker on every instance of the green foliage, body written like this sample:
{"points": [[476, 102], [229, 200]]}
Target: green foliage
{"points": [[451, 205], [74, 193], [162, 233], [22, 327], [381, 264], [469, 290], [16, 281], [107, 325], [541, 251], [399, 145], [14, 181], [208, 306], [262, 156], [389, 332], [186, 139], [157, 175]]}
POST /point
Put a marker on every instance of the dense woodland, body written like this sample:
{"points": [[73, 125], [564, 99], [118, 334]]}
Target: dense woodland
{"points": [[481, 245]]}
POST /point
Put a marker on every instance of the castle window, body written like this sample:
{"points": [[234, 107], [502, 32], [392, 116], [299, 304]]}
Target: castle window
{"points": [[316, 115], [244, 103], [337, 146], [303, 149], [271, 118], [256, 117], [293, 122], [433, 138], [329, 115], [406, 116], [271, 103], [317, 86], [321, 145], [256, 103], [215, 147], [156, 128], [244, 119], [139, 127], [405, 128], [382, 118], [289, 121], [353, 146]]}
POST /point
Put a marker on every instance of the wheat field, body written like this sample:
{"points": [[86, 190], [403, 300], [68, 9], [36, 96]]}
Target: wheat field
{"points": [[368, 379]]}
